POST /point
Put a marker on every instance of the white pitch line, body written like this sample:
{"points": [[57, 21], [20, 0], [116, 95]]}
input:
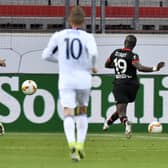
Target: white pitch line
{"points": [[148, 136], [120, 135]]}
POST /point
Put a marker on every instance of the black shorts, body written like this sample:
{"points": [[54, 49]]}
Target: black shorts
{"points": [[125, 91]]}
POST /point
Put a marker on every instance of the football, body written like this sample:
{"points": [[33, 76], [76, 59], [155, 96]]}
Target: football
{"points": [[29, 87], [2, 130], [155, 127]]}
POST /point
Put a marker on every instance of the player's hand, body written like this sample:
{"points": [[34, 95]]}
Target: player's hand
{"points": [[94, 70], [160, 65], [2, 62]]}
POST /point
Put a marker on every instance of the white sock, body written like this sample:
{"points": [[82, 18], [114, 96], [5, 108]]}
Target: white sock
{"points": [[82, 127], [69, 129]]}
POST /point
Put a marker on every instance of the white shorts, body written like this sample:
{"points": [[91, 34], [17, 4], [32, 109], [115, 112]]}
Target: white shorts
{"points": [[74, 97]]}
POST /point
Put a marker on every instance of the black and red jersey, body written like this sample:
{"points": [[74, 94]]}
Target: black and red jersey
{"points": [[122, 61]]}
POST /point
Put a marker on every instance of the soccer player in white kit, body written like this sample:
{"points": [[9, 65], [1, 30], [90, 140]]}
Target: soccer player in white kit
{"points": [[76, 55], [2, 64]]}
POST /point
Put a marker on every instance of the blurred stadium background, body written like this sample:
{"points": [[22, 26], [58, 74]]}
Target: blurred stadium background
{"points": [[103, 16]]}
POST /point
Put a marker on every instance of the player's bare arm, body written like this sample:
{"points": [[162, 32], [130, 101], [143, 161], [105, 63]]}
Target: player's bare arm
{"points": [[2, 62], [143, 68], [160, 65], [94, 69], [109, 63]]}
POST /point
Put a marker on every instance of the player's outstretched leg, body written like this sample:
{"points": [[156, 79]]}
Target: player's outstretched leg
{"points": [[109, 121], [105, 125]]}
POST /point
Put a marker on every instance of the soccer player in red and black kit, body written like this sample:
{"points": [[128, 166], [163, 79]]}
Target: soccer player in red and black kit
{"points": [[126, 63]]}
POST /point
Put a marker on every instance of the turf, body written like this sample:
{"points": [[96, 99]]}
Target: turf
{"points": [[36, 150]]}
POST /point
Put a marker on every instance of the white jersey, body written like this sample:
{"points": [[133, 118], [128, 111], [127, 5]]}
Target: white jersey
{"points": [[75, 49]]}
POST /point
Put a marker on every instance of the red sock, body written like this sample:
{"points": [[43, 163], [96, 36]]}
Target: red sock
{"points": [[123, 119]]}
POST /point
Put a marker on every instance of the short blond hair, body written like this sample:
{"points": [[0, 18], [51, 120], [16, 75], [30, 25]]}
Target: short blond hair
{"points": [[77, 16]]}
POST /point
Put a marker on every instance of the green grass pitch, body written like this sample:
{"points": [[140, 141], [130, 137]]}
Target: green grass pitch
{"points": [[40, 150]]}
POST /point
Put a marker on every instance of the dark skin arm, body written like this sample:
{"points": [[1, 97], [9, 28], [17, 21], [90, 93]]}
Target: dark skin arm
{"points": [[138, 66], [142, 68], [2, 62], [109, 64]]}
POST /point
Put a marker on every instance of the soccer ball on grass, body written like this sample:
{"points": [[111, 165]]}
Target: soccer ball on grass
{"points": [[155, 127], [29, 87]]}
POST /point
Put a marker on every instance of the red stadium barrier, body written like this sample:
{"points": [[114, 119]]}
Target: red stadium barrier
{"points": [[59, 11], [31, 11]]}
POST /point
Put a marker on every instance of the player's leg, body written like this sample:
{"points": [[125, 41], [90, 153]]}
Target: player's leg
{"points": [[67, 98], [82, 127], [117, 91], [69, 130], [122, 108], [81, 119], [130, 95], [120, 113], [110, 121], [69, 126]]}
